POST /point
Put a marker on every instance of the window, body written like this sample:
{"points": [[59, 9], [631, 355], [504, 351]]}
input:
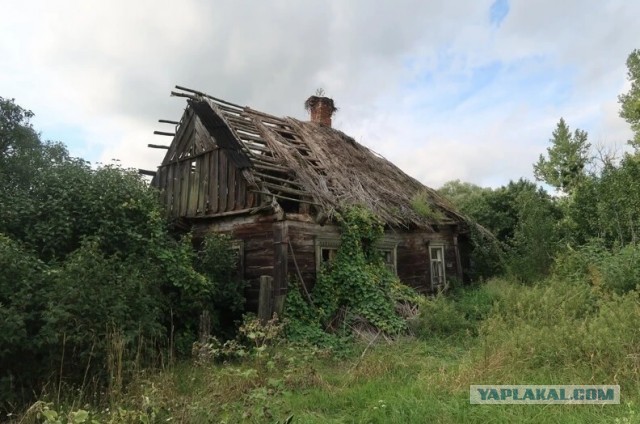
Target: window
{"points": [[327, 249], [389, 258], [327, 254], [436, 254]]}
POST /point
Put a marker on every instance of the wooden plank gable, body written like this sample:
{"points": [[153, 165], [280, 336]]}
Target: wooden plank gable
{"points": [[199, 177]]}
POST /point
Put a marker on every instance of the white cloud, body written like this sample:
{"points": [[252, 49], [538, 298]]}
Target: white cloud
{"points": [[404, 73]]}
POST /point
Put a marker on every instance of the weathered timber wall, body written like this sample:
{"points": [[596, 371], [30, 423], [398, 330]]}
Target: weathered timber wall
{"points": [[413, 263], [302, 238], [266, 242], [256, 234], [197, 178]]}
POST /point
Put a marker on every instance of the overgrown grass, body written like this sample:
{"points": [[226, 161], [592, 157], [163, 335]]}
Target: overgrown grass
{"points": [[553, 332]]}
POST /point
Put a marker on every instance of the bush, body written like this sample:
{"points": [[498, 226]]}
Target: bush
{"points": [[96, 297], [455, 315], [616, 270], [357, 281], [24, 294], [217, 261], [559, 325], [439, 317]]}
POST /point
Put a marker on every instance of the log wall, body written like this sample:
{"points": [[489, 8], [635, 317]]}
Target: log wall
{"points": [[414, 265], [267, 242]]}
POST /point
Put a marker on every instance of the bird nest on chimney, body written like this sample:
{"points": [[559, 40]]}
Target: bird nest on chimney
{"points": [[313, 101]]}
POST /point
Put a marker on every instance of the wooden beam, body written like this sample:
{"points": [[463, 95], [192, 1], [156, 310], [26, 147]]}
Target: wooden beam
{"points": [[189, 96], [166, 121], [146, 172], [458, 259], [280, 266], [271, 167], [164, 133], [311, 202], [265, 303], [282, 180], [247, 211], [200, 93], [158, 146], [285, 189], [192, 157]]}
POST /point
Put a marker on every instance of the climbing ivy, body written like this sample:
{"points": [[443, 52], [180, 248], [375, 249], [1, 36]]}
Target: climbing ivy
{"points": [[356, 287]]}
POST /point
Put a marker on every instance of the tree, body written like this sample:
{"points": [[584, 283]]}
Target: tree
{"points": [[564, 168], [536, 238], [86, 260], [523, 218], [630, 102]]}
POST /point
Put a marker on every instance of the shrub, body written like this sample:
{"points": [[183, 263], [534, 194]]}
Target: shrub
{"points": [[95, 297], [616, 270], [357, 281], [24, 294], [558, 325], [455, 315], [355, 291], [218, 262], [439, 317]]}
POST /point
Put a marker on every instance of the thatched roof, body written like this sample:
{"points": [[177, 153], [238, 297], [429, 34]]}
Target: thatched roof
{"points": [[295, 161]]}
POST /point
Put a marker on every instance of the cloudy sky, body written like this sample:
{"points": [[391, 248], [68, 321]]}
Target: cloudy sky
{"points": [[446, 89]]}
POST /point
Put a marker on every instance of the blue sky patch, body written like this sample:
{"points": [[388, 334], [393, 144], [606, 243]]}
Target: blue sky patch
{"points": [[498, 11], [74, 137]]}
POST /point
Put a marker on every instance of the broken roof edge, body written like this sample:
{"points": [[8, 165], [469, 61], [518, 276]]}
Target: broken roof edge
{"points": [[393, 204]]}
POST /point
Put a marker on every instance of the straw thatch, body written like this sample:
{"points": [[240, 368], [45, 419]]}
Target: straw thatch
{"points": [[295, 161]]}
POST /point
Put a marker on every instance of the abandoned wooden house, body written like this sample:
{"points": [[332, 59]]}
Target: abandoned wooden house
{"points": [[274, 184]]}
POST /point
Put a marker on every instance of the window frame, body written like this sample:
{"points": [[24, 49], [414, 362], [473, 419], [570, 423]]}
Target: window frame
{"points": [[323, 244], [392, 247], [332, 243], [441, 261]]}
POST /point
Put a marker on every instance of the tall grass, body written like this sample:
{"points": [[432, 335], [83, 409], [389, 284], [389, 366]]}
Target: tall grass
{"points": [[556, 331]]}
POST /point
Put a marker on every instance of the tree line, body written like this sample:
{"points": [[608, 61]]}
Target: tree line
{"points": [[595, 207]]}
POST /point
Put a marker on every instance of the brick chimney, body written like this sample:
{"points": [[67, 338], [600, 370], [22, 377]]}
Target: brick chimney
{"points": [[321, 109]]}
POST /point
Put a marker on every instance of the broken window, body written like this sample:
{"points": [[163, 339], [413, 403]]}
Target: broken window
{"points": [[326, 251]]}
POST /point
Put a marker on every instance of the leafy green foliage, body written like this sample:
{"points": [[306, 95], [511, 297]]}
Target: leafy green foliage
{"points": [[356, 287], [630, 102], [357, 280], [564, 168], [91, 282], [456, 315], [439, 317], [218, 262], [536, 239], [608, 207], [24, 288], [423, 206], [523, 218], [557, 325], [612, 270]]}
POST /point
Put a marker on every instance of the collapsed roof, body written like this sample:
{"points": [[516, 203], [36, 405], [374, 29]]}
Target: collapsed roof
{"points": [[288, 160]]}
